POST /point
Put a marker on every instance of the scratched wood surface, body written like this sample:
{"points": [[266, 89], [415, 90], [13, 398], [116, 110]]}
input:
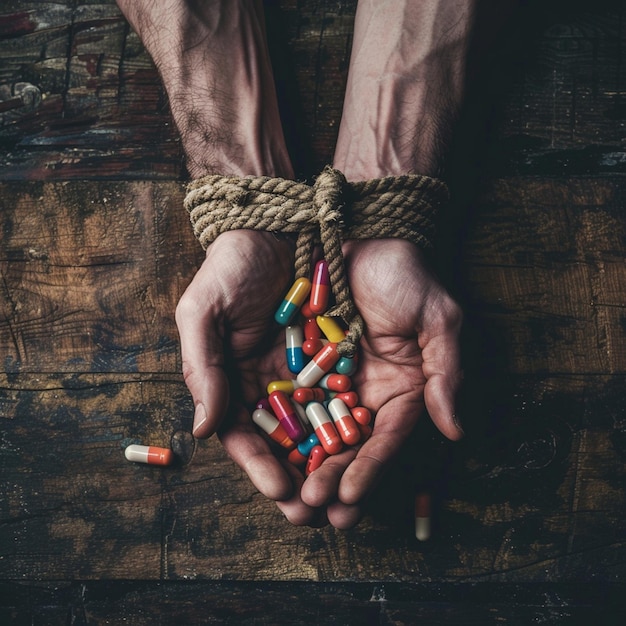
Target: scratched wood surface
{"points": [[96, 251]]}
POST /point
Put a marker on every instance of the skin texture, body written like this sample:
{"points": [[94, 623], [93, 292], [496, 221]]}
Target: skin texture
{"points": [[401, 98]]}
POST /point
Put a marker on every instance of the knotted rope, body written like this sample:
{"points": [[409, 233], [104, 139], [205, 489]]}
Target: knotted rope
{"points": [[328, 212]]}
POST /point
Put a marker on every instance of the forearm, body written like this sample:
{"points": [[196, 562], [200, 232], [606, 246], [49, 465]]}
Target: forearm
{"points": [[213, 60], [405, 86]]}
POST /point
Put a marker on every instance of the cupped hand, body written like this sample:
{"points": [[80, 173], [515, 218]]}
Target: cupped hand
{"points": [[231, 348], [409, 361]]}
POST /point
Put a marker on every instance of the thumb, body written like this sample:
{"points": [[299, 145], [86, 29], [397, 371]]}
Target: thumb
{"points": [[202, 352]]}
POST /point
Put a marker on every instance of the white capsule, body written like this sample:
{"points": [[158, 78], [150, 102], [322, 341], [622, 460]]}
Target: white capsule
{"points": [[149, 454]]}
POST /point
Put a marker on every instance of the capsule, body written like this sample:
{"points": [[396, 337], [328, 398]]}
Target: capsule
{"points": [[295, 458], [362, 415], [149, 454], [318, 366], [324, 427], [311, 347], [293, 301], [274, 429], [320, 288], [310, 329], [344, 422], [287, 416], [349, 397], [305, 447], [286, 386], [305, 310], [422, 516], [293, 347], [365, 430], [302, 395], [335, 382], [346, 365], [331, 328], [316, 458]]}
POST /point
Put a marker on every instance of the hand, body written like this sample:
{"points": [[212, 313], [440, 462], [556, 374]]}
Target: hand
{"points": [[409, 360], [231, 348]]}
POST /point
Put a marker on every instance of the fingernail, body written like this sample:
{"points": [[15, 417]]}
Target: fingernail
{"points": [[199, 417], [457, 423]]}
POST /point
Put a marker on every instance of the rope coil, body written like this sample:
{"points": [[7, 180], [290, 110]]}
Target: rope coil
{"points": [[328, 212]]}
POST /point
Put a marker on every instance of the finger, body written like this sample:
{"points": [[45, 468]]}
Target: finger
{"points": [[321, 486], [443, 374], [295, 510], [202, 355], [393, 425], [252, 453], [343, 516]]}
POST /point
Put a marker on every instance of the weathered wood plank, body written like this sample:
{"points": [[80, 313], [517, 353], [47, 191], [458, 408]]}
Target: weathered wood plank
{"points": [[296, 604], [92, 275], [537, 496]]}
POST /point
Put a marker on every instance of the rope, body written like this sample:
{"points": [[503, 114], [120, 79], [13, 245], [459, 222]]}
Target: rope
{"points": [[328, 212]]}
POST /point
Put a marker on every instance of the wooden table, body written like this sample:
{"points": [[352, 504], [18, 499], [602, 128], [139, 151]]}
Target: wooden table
{"points": [[96, 250]]}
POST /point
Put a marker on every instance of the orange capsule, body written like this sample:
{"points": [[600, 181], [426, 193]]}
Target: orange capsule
{"points": [[365, 430], [320, 288], [316, 457], [302, 395], [335, 382], [362, 415], [295, 457], [311, 347]]}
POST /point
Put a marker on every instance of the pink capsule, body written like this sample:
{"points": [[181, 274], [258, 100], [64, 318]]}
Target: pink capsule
{"points": [[316, 457], [318, 366], [320, 288], [302, 395], [287, 416], [335, 382], [346, 426], [362, 415], [324, 427]]}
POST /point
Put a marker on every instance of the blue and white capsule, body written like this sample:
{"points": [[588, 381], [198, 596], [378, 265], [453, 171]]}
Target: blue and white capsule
{"points": [[294, 338]]}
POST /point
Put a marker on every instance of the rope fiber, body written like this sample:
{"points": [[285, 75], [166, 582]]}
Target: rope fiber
{"points": [[327, 212]]}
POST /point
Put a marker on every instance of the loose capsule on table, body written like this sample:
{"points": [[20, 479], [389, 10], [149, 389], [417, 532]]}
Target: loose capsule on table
{"points": [[152, 455]]}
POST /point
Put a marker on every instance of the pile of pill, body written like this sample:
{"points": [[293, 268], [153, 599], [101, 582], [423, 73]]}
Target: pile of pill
{"points": [[315, 414]]}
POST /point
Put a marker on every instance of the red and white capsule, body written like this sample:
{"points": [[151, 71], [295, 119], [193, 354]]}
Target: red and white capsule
{"points": [[152, 455], [324, 427], [347, 428], [318, 366]]}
